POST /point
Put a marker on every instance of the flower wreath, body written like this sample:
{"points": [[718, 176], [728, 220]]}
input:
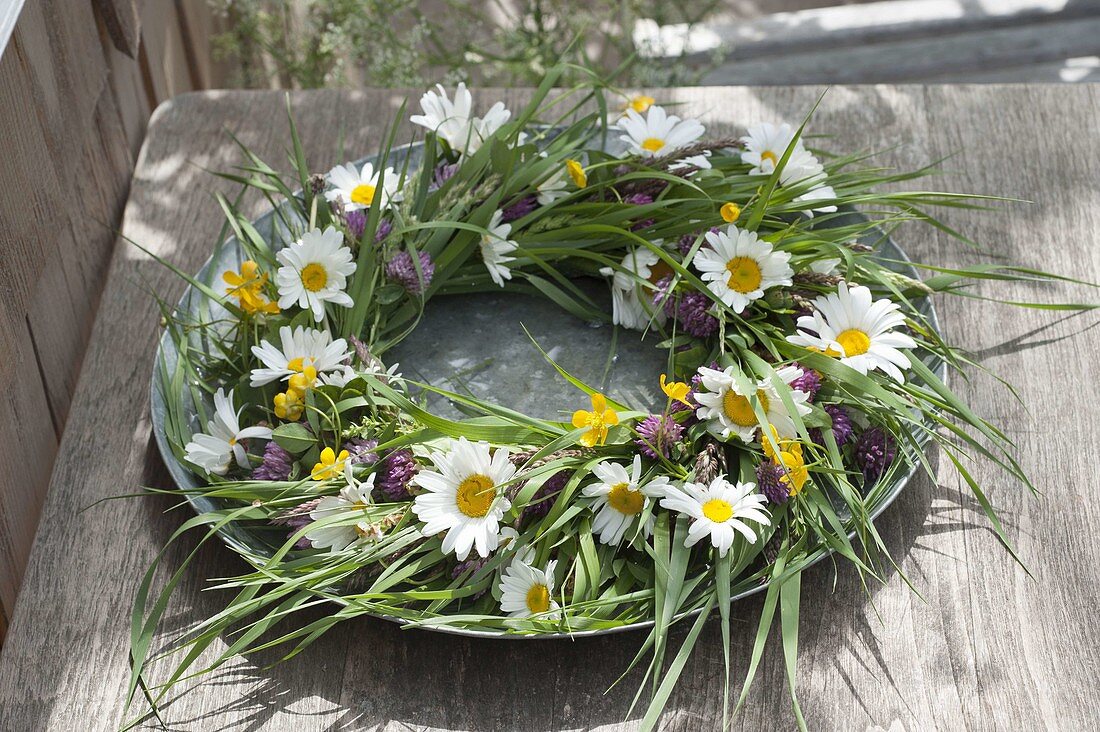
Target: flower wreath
{"points": [[801, 383]]}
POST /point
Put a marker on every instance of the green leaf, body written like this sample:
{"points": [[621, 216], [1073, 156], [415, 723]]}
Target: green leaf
{"points": [[294, 437]]}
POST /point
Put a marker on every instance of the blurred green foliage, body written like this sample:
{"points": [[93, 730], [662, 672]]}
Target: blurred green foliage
{"points": [[398, 43]]}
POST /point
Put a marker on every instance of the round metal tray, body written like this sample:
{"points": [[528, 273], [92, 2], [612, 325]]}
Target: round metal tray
{"points": [[240, 539]]}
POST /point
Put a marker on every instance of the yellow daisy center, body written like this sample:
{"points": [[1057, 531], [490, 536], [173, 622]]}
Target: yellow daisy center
{"points": [[769, 155], [538, 599], [739, 410], [652, 144], [625, 499], [314, 277], [854, 342], [745, 275], [717, 510], [475, 495], [362, 194]]}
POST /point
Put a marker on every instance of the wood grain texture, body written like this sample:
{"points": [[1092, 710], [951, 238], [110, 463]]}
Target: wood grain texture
{"points": [[72, 112], [988, 647]]}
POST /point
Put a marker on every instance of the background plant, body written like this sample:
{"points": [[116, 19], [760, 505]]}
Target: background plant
{"points": [[398, 43]]}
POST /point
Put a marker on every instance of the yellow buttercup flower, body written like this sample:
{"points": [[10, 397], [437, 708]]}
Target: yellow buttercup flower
{"points": [[576, 172], [247, 286], [676, 390], [304, 380], [790, 458], [289, 406], [331, 464], [597, 421], [641, 103], [730, 212]]}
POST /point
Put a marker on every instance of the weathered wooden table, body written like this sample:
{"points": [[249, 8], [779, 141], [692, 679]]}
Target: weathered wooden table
{"points": [[988, 647]]}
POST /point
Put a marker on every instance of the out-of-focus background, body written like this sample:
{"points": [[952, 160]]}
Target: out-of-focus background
{"points": [[79, 80]]}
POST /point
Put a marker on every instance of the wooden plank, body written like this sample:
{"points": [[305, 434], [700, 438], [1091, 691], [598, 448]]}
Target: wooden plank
{"points": [[165, 50], [736, 37], [28, 433], [63, 180], [1066, 71], [919, 59], [122, 20], [130, 97], [990, 649]]}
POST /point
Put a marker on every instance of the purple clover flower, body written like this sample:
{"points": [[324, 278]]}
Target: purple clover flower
{"points": [[809, 382], [657, 434], [638, 199], [769, 478], [276, 463], [663, 297], [361, 452], [357, 223], [687, 241], [443, 173], [693, 314], [519, 209], [394, 474], [385, 226], [543, 500], [401, 270], [842, 427], [875, 451], [295, 519]]}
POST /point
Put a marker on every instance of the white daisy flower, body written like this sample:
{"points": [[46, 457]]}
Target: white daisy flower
{"points": [[495, 246], [765, 145], [526, 591], [315, 271], [658, 133], [340, 377], [301, 347], [620, 498], [719, 510], [554, 187], [463, 497], [453, 121], [828, 266], [214, 450], [353, 498], [356, 188], [848, 324], [804, 169], [632, 302], [738, 266], [726, 408], [701, 161]]}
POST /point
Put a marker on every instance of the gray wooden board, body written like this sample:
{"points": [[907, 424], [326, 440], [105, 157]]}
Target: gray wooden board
{"points": [[987, 648], [918, 59]]}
